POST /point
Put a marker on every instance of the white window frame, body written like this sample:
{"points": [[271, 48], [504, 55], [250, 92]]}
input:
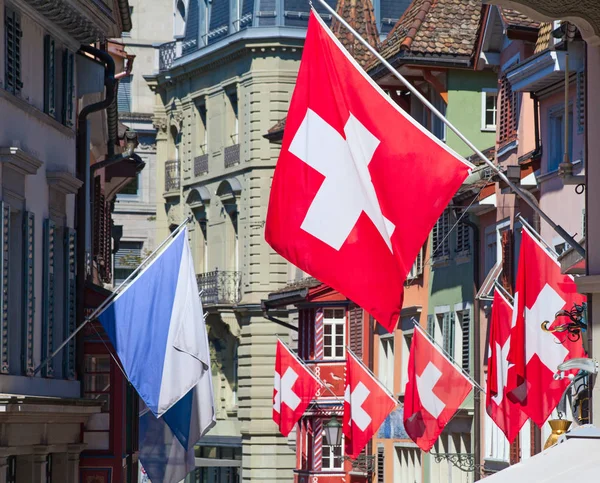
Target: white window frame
{"points": [[417, 267], [331, 459], [407, 336], [484, 95], [386, 363], [334, 323]]}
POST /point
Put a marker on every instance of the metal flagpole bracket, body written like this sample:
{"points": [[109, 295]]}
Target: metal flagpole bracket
{"points": [[557, 228], [463, 461]]}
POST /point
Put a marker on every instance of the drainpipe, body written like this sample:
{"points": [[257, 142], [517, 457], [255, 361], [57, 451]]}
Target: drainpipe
{"points": [[536, 123], [83, 173], [477, 347]]}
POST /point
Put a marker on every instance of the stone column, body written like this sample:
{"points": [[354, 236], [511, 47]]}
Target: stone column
{"points": [[3, 468], [31, 468]]}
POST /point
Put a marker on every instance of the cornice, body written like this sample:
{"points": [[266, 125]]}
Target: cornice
{"points": [[19, 160], [64, 182]]}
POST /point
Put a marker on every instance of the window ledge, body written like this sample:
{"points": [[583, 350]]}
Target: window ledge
{"points": [[441, 261], [20, 160], [488, 129], [463, 257], [507, 147], [64, 182]]}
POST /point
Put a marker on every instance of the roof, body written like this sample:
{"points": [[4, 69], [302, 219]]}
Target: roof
{"points": [[309, 282], [544, 37], [361, 17], [516, 19], [435, 28]]}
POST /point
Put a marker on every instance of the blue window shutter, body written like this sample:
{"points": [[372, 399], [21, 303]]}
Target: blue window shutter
{"points": [[28, 313], [124, 94], [49, 76], [12, 51], [68, 87], [4, 293], [69, 300], [48, 299]]}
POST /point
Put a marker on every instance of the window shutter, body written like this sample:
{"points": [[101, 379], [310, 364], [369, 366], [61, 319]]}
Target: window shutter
{"points": [[356, 331], [580, 102], [431, 325], [4, 287], [48, 298], [466, 335], [124, 94], [583, 223], [515, 449], [508, 112], [463, 238], [440, 240], [69, 300], [49, 76], [28, 313], [380, 465], [507, 261], [12, 50], [448, 333], [68, 87]]}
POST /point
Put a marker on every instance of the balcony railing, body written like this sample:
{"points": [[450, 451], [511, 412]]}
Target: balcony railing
{"points": [[172, 175], [220, 287], [167, 53], [201, 165], [231, 155]]}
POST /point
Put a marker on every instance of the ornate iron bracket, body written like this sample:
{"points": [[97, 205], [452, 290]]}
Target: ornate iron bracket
{"points": [[463, 461], [576, 323], [364, 463]]}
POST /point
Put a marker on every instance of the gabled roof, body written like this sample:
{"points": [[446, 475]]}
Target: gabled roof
{"points": [[361, 17], [435, 28], [512, 18]]}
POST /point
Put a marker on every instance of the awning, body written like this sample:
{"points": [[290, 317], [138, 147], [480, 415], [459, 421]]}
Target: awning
{"points": [[575, 458]]}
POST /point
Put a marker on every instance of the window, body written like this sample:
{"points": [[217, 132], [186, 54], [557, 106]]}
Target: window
{"points": [[386, 362], [407, 465], [124, 94], [489, 107], [438, 128], [417, 268], [463, 239], [131, 188], [334, 322], [49, 468], [556, 138], [49, 76], [440, 247], [127, 258], [491, 249], [380, 464], [464, 317], [406, 342], [233, 115], [508, 113], [11, 469], [12, 51], [96, 386], [445, 324], [332, 455]]}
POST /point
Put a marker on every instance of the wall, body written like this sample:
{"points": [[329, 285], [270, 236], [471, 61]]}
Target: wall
{"points": [[465, 109]]}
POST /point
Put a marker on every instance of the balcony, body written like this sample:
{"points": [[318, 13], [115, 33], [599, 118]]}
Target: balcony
{"points": [[231, 155], [200, 165], [172, 180], [220, 287], [167, 53]]}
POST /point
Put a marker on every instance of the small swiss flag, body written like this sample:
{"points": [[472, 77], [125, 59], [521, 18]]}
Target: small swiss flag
{"points": [[294, 389], [541, 290], [366, 405], [359, 183], [435, 390], [506, 414]]}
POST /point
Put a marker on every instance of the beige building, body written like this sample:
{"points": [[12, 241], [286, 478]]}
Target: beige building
{"points": [[219, 88]]}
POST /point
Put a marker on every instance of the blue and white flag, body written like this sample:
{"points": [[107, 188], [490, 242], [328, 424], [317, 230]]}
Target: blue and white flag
{"points": [[156, 326]]}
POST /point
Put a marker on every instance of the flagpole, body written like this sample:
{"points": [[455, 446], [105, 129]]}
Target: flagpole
{"points": [[537, 235], [364, 366], [111, 297], [448, 356], [508, 296], [557, 228]]}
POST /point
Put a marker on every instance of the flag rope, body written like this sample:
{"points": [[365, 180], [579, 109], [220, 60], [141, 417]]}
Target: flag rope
{"points": [[414, 91], [112, 296], [448, 356]]}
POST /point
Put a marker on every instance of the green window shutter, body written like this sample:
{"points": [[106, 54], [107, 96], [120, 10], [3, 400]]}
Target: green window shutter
{"points": [[69, 300], [49, 76], [4, 287], [431, 325], [12, 50], [28, 313], [466, 335], [448, 333], [48, 299], [68, 87]]}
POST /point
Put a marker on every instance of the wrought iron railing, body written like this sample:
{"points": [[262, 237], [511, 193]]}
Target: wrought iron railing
{"points": [[364, 463], [220, 287], [231, 155], [167, 53], [172, 175], [201, 165]]}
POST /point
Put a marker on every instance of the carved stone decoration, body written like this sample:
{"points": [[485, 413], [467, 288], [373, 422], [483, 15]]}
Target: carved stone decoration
{"points": [[160, 124], [585, 14]]}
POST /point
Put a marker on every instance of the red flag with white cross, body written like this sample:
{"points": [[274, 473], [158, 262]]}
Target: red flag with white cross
{"points": [[507, 415], [366, 405], [541, 291], [359, 183], [435, 390], [294, 389]]}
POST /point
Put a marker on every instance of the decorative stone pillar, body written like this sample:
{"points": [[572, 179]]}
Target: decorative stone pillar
{"points": [[31, 468], [72, 471], [3, 468]]}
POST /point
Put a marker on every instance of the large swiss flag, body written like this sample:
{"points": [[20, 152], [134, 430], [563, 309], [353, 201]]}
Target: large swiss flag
{"points": [[435, 390], [359, 184], [541, 291], [507, 415]]}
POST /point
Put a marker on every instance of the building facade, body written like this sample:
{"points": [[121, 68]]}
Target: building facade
{"points": [[46, 81]]}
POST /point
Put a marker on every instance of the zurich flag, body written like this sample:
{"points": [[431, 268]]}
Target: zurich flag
{"points": [[157, 328]]}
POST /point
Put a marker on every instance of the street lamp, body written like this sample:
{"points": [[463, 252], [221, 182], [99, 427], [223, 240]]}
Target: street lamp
{"points": [[333, 431]]}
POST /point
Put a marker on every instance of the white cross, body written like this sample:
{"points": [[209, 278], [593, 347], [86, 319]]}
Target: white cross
{"points": [[347, 190], [502, 366], [550, 351], [285, 393], [425, 384], [359, 416]]}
